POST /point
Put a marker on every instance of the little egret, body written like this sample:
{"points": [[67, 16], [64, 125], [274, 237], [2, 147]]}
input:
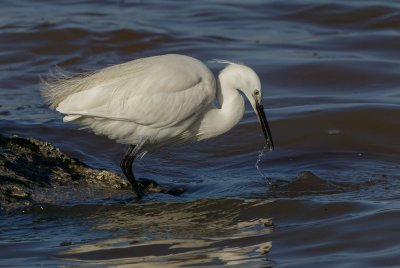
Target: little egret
{"points": [[156, 101]]}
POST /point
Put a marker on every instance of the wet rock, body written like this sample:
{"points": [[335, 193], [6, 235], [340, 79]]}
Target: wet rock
{"points": [[151, 186], [308, 183], [33, 171], [29, 166]]}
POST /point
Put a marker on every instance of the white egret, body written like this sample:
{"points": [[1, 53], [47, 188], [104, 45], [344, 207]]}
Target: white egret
{"points": [[156, 101]]}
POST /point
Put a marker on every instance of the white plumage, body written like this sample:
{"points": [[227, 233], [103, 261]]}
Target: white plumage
{"points": [[155, 101]]}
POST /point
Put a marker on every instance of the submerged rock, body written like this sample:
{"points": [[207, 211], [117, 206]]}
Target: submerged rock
{"points": [[151, 186], [29, 166], [307, 183]]}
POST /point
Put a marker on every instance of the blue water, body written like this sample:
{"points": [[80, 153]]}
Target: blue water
{"points": [[330, 77]]}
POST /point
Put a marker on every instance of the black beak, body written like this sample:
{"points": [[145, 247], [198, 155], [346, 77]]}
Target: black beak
{"points": [[264, 126]]}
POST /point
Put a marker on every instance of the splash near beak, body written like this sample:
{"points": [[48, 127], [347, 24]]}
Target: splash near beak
{"points": [[264, 126]]}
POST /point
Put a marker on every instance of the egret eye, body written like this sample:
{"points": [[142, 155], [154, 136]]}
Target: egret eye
{"points": [[256, 92]]}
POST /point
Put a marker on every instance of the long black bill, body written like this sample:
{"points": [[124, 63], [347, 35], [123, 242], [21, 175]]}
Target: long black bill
{"points": [[264, 126]]}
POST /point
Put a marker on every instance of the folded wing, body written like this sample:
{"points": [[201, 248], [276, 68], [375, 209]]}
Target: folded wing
{"points": [[158, 92]]}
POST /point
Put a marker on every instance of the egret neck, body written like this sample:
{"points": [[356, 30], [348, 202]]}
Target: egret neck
{"points": [[220, 120]]}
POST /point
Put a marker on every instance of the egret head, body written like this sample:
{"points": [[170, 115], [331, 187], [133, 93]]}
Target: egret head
{"points": [[244, 79]]}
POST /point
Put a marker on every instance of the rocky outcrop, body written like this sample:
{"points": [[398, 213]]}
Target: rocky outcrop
{"points": [[35, 172], [30, 169]]}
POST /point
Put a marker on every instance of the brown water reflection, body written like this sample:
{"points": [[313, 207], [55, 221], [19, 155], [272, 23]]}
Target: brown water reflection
{"points": [[206, 232]]}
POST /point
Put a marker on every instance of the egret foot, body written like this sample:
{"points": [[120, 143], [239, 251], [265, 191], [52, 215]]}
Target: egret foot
{"points": [[151, 186], [139, 190]]}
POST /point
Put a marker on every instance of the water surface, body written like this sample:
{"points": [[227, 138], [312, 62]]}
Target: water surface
{"points": [[330, 75]]}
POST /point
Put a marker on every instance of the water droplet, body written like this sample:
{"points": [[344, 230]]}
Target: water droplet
{"points": [[260, 155]]}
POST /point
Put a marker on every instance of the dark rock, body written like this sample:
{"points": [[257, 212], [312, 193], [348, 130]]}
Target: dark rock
{"points": [[307, 183], [33, 171], [29, 166], [151, 186]]}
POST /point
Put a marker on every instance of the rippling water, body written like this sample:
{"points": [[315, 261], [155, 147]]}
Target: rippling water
{"points": [[331, 78]]}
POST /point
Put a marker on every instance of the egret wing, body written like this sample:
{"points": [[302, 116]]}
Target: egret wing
{"points": [[157, 109], [157, 92]]}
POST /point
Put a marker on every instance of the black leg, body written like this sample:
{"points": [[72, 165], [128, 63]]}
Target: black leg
{"points": [[126, 166]]}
